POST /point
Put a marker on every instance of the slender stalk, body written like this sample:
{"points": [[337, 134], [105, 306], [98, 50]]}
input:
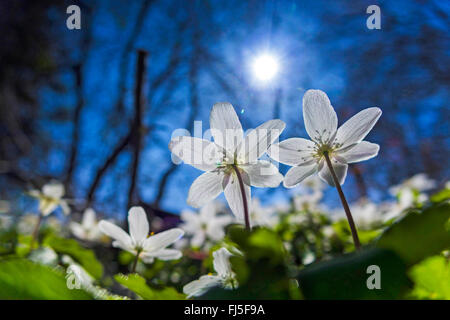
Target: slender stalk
{"points": [[35, 233], [344, 203], [133, 268], [244, 198]]}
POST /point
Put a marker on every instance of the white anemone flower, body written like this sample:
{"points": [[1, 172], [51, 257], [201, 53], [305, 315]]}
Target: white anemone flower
{"points": [[263, 216], [6, 222], [409, 191], [205, 225], [231, 161], [88, 228], [50, 198], [365, 212], [418, 182], [343, 145], [224, 276], [138, 242]]}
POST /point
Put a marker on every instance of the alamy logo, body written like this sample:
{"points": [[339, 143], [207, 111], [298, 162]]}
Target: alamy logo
{"points": [[374, 20], [374, 281], [72, 280], [74, 20]]}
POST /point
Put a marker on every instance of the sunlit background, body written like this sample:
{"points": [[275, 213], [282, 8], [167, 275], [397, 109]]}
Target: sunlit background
{"points": [[67, 96]]}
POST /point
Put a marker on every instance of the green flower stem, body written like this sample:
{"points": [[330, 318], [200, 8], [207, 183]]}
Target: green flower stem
{"points": [[35, 233], [244, 198], [344, 203], [133, 268]]}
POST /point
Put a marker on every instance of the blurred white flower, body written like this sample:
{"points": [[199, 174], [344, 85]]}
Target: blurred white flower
{"points": [[314, 184], [6, 222], [230, 160], [298, 218], [343, 145], [208, 224], [138, 242], [44, 255], [365, 213], [78, 278], [391, 210], [88, 228], [409, 191], [225, 277], [308, 258], [418, 182], [281, 207], [307, 201], [4, 206], [50, 198], [309, 194], [54, 223], [263, 216], [26, 223]]}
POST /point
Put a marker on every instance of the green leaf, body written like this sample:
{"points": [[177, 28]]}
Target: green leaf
{"points": [[85, 257], [431, 279], [23, 279], [23, 246], [137, 284], [420, 234], [346, 277], [262, 272], [441, 195]]}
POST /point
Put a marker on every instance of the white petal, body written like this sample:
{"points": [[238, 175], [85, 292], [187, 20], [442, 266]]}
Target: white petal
{"points": [[65, 207], [199, 153], [234, 197], [205, 188], [164, 254], [295, 175], [221, 261], [263, 174], [340, 170], [47, 206], [53, 190], [360, 152], [293, 151], [124, 246], [138, 224], [198, 239], [89, 220], [259, 139], [77, 230], [208, 211], [190, 219], [216, 230], [356, 128], [200, 286], [225, 126], [319, 116], [35, 193], [114, 232], [163, 239]]}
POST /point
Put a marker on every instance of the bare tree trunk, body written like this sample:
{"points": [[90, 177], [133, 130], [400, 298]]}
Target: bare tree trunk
{"points": [[124, 59], [76, 124], [137, 124]]}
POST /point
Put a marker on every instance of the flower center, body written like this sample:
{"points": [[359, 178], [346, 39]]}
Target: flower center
{"points": [[229, 281]]}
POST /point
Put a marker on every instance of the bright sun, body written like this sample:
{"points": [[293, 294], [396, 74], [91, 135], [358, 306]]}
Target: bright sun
{"points": [[265, 67]]}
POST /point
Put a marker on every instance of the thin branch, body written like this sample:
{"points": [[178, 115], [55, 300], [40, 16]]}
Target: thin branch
{"points": [[109, 161]]}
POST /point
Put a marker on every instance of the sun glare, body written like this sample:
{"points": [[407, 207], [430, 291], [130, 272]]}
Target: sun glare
{"points": [[265, 67]]}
